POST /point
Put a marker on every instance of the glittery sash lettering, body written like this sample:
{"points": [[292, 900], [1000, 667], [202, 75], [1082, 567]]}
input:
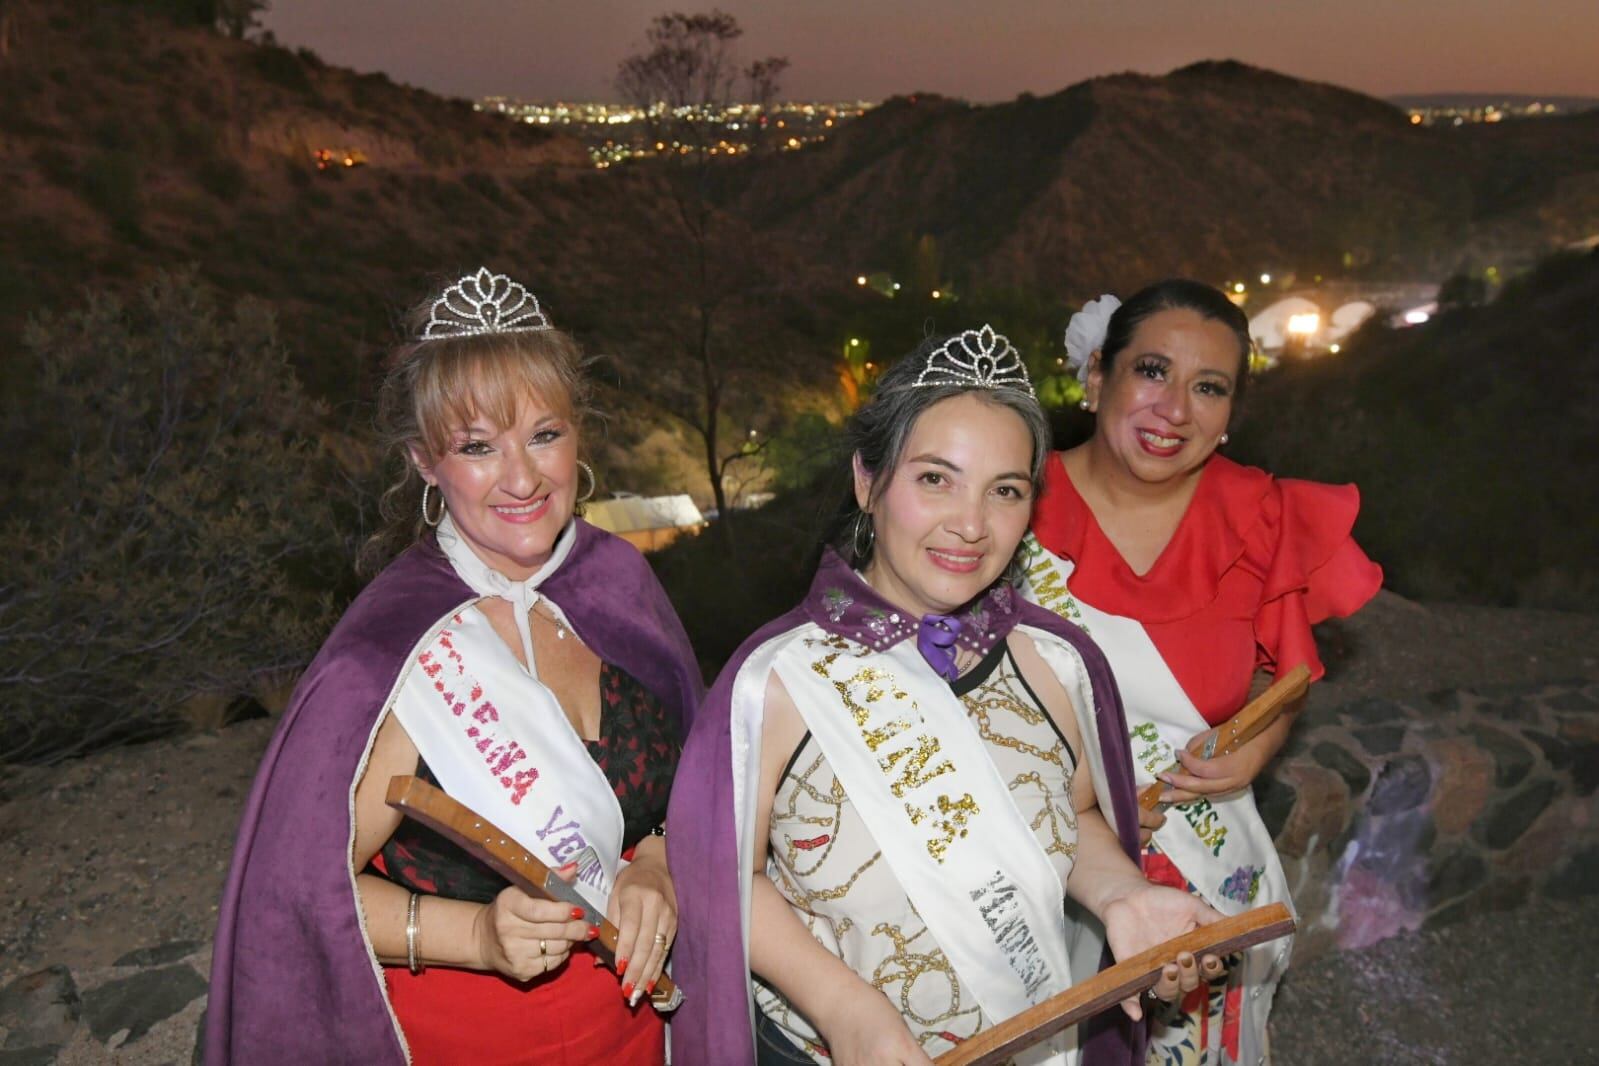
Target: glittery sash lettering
{"points": [[997, 902], [909, 757], [444, 666]]}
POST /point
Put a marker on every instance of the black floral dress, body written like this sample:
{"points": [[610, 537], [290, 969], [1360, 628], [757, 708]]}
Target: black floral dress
{"points": [[638, 751]]}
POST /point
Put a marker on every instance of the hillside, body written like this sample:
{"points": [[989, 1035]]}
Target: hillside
{"points": [[129, 145], [1215, 170]]}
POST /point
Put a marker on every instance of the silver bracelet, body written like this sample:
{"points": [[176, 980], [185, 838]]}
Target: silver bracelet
{"points": [[412, 927]]}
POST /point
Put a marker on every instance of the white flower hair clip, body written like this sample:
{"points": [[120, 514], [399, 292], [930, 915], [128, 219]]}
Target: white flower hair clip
{"points": [[484, 303], [1085, 333]]}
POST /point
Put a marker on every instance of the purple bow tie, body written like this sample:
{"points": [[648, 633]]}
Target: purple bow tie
{"points": [[935, 639]]}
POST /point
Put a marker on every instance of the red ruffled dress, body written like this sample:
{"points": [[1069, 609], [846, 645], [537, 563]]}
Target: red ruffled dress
{"points": [[575, 1016], [1254, 563]]}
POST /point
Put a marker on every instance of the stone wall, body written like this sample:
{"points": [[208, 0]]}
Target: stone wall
{"points": [[1392, 816]]}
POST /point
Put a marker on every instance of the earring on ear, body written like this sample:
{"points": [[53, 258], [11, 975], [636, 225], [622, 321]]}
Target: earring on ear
{"points": [[1082, 405], [1222, 439], [426, 488]]}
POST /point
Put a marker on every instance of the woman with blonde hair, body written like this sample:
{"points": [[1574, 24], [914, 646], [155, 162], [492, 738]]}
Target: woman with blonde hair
{"points": [[530, 666]]}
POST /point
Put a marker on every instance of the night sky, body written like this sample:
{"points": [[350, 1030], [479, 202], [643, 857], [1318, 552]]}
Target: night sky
{"points": [[978, 49]]}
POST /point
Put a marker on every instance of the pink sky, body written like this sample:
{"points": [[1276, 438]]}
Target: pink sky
{"points": [[977, 49]]}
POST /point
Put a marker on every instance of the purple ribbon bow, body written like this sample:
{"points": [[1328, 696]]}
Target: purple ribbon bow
{"points": [[935, 639]]}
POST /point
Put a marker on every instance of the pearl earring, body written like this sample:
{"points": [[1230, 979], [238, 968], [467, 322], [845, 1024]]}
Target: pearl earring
{"points": [[1223, 439]]}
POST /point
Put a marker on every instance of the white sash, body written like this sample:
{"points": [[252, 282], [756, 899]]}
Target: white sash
{"points": [[1220, 844], [496, 737], [913, 765]]}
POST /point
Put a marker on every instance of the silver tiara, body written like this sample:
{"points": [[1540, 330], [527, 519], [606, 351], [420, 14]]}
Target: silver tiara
{"points": [[484, 303], [978, 358]]}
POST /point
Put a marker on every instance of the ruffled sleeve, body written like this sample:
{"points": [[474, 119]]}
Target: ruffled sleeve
{"points": [[1312, 569]]}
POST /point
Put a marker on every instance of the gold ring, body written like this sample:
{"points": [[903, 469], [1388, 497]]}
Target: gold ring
{"points": [[543, 948], [660, 938]]}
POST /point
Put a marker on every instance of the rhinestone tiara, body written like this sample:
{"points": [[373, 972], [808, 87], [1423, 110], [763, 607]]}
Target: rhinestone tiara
{"points": [[976, 358], [483, 303]]}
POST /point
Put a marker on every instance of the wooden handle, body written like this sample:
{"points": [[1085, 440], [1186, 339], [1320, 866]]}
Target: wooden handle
{"points": [[491, 845], [1110, 986], [1244, 726]]}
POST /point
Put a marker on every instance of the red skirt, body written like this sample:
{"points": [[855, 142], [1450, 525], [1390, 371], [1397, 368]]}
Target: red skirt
{"points": [[573, 1018]]}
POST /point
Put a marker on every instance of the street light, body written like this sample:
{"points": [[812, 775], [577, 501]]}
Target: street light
{"points": [[1265, 279], [1302, 326], [860, 279]]}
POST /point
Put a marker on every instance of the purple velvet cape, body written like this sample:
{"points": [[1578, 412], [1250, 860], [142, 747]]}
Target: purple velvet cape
{"points": [[291, 978], [712, 1027]]}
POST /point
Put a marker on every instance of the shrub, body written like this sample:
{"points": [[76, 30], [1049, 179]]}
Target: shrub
{"points": [[168, 530]]}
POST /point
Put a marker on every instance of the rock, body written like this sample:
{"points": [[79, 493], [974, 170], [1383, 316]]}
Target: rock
{"points": [[1465, 775], [1374, 712], [1505, 824], [1578, 878], [1459, 872], [40, 1009], [33, 1056], [138, 1002], [1380, 739], [1512, 758], [1336, 758], [1402, 785], [1274, 799], [1321, 811], [160, 955], [1572, 701]]}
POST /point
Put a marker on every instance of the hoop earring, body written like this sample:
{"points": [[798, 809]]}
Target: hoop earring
{"points": [[426, 488], [593, 484], [862, 520]]}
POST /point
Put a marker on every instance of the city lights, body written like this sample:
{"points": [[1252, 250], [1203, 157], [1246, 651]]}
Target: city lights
{"points": [[1265, 279], [1238, 286], [1416, 317], [860, 279]]}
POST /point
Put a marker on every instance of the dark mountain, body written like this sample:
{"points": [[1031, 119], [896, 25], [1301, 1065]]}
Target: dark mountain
{"points": [[1216, 170]]}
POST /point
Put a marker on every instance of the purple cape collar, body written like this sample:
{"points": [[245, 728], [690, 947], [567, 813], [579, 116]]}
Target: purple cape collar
{"points": [[841, 602]]}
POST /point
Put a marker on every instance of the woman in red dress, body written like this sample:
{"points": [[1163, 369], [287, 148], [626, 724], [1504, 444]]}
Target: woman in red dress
{"points": [[1193, 573]]}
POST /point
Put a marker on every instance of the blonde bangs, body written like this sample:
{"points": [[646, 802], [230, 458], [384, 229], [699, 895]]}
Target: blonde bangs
{"points": [[491, 378]]}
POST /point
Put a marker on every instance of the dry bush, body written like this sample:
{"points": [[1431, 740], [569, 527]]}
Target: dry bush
{"points": [[168, 535]]}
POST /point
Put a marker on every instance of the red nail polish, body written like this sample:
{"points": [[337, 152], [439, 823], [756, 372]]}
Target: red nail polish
{"points": [[594, 932], [649, 989], [566, 866], [621, 967], [577, 912], [627, 990]]}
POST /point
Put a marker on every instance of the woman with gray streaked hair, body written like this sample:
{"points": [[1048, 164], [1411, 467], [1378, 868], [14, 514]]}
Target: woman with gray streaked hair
{"points": [[904, 777]]}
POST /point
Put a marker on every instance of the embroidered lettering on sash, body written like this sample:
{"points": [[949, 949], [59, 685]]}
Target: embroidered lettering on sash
{"points": [[1046, 586], [911, 760], [997, 902], [1207, 824], [443, 664]]}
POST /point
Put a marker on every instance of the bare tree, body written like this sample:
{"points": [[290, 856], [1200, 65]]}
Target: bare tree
{"points": [[685, 80]]}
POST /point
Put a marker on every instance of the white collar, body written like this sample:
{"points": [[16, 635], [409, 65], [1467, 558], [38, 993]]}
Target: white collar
{"points": [[486, 581]]}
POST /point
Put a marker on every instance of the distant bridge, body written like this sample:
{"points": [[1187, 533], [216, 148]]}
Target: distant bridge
{"points": [[1320, 316]]}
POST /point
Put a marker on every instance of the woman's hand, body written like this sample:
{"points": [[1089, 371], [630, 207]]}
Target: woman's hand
{"points": [[523, 937], [1147, 915], [865, 1029], [1148, 822], [644, 910]]}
